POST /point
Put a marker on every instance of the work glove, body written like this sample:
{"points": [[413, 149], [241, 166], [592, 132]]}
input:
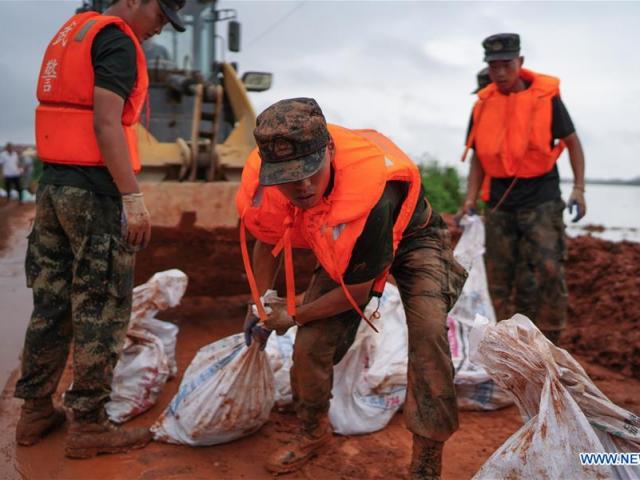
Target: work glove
{"points": [[278, 319], [577, 202], [252, 330], [137, 221]]}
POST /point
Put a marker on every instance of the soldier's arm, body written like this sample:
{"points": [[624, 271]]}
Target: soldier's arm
{"points": [[333, 302], [576, 157], [265, 266], [107, 125], [474, 183]]}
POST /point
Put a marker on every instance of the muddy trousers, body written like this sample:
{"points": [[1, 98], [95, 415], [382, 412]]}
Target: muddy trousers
{"points": [[81, 274], [525, 256], [429, 281]]}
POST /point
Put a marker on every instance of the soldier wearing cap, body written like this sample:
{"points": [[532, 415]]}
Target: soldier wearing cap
{"points": [[356, 200], [90, 218], [518, 129]]}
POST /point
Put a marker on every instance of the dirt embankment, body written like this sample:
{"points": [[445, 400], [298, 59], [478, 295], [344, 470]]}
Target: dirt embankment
{"points": [[603, 279], [604, 303]]}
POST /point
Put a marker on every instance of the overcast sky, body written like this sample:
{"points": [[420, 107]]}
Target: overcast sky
{"points": [[403, 68]]}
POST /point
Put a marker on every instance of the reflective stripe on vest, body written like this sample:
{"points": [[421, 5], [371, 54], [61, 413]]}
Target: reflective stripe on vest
{"points": [[64, 116], [363, 163], [511, 134]]}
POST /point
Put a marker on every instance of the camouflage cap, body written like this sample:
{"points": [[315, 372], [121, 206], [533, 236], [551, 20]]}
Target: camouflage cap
{"points": [[292, 137], [483, 79], [502, 46]]}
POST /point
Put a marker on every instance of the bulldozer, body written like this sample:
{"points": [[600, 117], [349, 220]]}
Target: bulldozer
{"points": [[195, 140]]}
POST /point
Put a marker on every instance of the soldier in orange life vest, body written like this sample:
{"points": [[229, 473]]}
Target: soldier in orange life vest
{"points": [[356, 200], [90, 218], [518, 129]]}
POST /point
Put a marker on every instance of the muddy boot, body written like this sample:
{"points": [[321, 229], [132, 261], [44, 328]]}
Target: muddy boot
{"points": [[426, 459], [86, 440], [37, 418], [304, 446]]}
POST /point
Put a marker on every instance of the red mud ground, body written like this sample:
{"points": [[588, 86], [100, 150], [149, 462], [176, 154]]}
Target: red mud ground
{"points": [[214, 307]]}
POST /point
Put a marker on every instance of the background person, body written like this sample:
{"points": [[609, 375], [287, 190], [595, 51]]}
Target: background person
{"points": [[518, 129]]}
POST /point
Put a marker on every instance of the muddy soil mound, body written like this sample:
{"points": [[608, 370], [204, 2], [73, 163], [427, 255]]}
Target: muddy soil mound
{"points": [[211, 259], [604, 303]]}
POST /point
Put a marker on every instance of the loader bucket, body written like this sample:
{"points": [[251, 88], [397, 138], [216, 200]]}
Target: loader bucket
{"points": [[202, 204]]}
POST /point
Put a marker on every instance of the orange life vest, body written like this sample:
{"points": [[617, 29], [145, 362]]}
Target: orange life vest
{"points": [[363, 163], [64, 117], [511, 134]]}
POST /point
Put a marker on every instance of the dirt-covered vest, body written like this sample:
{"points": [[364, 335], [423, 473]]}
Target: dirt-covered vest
{"points": [[511, 134], [364, 162], [64, 117]]}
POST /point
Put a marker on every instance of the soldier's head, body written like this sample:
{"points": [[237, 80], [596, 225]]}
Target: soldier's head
{"points": [[502, 53], [482, 79], [147, 17], [295, 150]]}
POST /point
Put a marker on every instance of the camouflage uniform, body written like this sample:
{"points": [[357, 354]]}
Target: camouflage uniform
{"points": [[81, 273], [430, 281], [525, 255]]}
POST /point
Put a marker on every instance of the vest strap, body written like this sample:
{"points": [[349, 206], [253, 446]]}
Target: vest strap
{"points": [[255, 294]]}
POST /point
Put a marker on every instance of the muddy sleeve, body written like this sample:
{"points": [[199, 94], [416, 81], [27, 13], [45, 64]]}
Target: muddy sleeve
{"points": [[373, 251]]}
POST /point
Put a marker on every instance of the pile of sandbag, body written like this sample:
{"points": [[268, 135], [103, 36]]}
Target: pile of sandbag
{"points": [[148, 358], [565, 414], [474, 387]]}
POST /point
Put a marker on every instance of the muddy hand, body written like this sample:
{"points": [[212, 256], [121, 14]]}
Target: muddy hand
{"points": [[467, 208], [279, 320]]}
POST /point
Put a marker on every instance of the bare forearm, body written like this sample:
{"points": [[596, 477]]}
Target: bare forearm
{"points": [[333, 303], [115, 152], [576, 157], [265, 266], [474, 181]]}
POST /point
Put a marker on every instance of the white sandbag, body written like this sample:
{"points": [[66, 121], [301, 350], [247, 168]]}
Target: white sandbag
{"points": [[141, 372], [475, 389], [369, 383], [565, 414], [226, 393], [148, 357], [163, 290], [279, 351]]}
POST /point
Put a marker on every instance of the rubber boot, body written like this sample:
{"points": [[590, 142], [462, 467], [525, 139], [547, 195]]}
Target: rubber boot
{"points": [[305, 445], [86, 440], [37, 418], [426, 459]]}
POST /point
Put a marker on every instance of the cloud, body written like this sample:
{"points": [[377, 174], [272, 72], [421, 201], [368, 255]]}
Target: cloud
{"points": [[404, 68]]}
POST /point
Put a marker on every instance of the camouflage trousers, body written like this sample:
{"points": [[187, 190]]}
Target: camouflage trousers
{"points": [[525, 255], [81, 273], [430, 281]]}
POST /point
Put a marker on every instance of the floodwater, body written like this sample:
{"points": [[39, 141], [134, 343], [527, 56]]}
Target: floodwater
{"points": [[614, 207]]}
